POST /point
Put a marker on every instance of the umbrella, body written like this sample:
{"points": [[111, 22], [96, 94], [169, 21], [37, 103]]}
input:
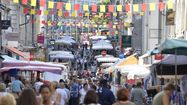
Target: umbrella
{"points": [[176, 47]]}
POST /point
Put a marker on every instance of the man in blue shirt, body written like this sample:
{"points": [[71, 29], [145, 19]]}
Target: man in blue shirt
{"points": [[106, 97], [74, 93], [17, 86]]}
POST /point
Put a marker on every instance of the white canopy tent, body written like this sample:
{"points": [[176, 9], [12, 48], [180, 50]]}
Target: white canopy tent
{"points": [[100, 56], [132, 71], [107, 59], [102, 44], [65, 40], [98, 37], [61, 55]]}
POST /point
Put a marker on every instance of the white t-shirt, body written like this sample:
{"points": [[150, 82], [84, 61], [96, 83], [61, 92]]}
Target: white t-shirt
{"points": [[83, 94], [37, 86], [64, 96]]}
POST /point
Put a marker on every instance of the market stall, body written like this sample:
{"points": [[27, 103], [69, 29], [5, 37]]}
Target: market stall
{"points": [[65, 40], [102, 45]]}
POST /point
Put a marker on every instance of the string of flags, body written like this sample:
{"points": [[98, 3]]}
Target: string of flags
{"points": [[65, 8]]}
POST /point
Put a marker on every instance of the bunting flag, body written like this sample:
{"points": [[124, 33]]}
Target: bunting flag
{"points": [[46, 12], [111, 8], [170, 4], [85, 7], [33, 3], [16, 1], [144, 7], [24, 2], [119, 8], [140, 8], [80, 14], [39, 12], [60, 13], [59, 5], [73, 14], [127, 7], [26, 10], [161, 6], [42, 3], [50, 4], [87, 14], [102, 8], [66, 14], [77, 7], [115, 14], [135, 7], [94, 8], [152, 6], [32, 12], [68, 6]]}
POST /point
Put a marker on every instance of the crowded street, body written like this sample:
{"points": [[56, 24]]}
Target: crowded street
{"points": [[93, 52]]}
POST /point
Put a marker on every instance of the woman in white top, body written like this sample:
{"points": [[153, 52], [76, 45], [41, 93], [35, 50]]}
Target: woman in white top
{"points": [[63, 94], [83, 92]]}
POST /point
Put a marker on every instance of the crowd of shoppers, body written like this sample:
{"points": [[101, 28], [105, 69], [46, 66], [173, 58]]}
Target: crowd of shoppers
{"points": [[78, 92]]}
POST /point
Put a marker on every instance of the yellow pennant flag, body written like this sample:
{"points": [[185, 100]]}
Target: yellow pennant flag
{"points": [[46, 12], [49, 23], [114, 26], [87, 14], [100, 14], [73, 14], [116, 32], [50, 4], [152, 6], [85, 7], [33, 3], [114, 14], [16, 1], [68, 6], [170, 4], [32, 12], [86, 25], [59, 13], [141, 13], [135, 7], [102, 8], [119, 8], [59, 23], [99, 33], [95, 25]]}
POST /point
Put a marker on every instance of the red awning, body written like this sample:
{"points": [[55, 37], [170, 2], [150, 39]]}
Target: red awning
{"points": [[15, 51]]}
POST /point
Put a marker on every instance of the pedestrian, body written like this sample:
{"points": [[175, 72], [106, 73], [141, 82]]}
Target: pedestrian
{"points": [[27, 97], [55, 96], [163, 97], [2, 88], [138, 95], [83, 92], [106, 97], [7, 99], [46, 94], [63, 94], [91, 98], [74, 93], [17, 86], [37, 85], [122, 97]]}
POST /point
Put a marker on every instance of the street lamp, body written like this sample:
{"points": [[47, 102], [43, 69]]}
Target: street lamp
{"points": [[27, 20]]}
